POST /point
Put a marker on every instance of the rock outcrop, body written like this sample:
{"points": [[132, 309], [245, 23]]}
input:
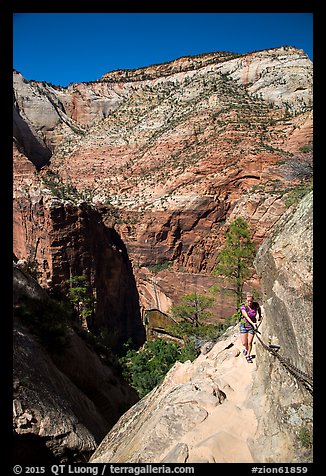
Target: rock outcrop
{"points": [[67, 240], [198, 414], [66, 399], [285, 264]]}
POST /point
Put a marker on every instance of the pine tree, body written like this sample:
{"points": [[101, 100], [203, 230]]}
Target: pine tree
{"points": [[192, 308], [81, 297], [235, 261]]}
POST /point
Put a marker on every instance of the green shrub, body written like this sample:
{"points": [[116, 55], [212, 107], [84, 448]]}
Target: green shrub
{"points": [[305, 437], [307, 148], [155, 268], [146, 368], [188, 352], [24, 382], [297, 193], [81, 296], [47, 319]]}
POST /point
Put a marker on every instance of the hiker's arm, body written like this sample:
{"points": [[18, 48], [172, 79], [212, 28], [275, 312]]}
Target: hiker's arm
{"points": [[244, 313]]}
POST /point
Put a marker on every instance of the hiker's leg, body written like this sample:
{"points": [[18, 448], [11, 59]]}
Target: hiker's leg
{"points": [[250, 339], [244, 340]]}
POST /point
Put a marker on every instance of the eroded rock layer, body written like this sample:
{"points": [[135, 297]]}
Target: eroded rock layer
{"points": [[171, 153]]}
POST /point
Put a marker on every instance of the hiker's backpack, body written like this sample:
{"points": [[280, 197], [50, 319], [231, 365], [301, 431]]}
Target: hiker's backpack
{"points": [[239, 313]]}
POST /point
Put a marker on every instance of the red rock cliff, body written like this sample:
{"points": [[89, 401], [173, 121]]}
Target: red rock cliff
{"points": [[172, 153]]}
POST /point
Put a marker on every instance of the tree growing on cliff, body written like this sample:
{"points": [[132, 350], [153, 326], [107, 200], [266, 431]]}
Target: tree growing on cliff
{"points": [[193, 308], [190, 315], [81, 297], [235, 261]]}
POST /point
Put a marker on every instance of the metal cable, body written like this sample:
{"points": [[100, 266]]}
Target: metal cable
{"points": [[303, 377]]}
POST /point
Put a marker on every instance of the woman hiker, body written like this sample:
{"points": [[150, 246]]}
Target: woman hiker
{"points": [[251, 313]]}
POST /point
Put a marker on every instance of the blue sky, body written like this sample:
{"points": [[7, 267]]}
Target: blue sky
{"points": [[62, 48]]}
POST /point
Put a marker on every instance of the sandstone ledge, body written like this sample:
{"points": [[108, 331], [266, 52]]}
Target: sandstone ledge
{"points": [[199, 413]]}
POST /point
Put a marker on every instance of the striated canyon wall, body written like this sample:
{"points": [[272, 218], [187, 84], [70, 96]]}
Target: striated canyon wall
{"points": [[170, 154], [67, 240]]}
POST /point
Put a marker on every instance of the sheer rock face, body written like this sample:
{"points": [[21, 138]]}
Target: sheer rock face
{"points": [[66, 400], [70, 240], [171, 153], [219, 408], [284, 262]]}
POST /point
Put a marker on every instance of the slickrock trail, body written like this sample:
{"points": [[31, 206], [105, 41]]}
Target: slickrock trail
{"points": [[224, 435], [201, 413]]}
